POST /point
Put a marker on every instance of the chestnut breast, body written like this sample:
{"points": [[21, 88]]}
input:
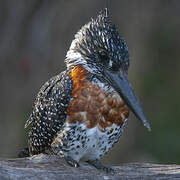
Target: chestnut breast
{"points": [[92, 105]]}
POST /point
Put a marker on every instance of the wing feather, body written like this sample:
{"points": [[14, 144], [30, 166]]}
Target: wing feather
{"points": [[49, 112]]}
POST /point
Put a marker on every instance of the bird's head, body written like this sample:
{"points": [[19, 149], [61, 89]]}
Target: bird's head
{"points": [[100, 49]]}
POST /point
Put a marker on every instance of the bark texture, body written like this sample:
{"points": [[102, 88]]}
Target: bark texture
{"points": [[54, 167]]}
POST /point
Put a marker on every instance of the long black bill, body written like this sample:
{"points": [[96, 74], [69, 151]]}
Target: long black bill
{"points": [[120, 83]]}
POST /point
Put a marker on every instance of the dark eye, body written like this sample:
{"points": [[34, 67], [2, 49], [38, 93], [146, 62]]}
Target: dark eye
{"points": [[103, 56], [115, 67]]}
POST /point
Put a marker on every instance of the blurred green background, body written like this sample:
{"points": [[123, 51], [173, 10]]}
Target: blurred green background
{"points": [[34, 38]]}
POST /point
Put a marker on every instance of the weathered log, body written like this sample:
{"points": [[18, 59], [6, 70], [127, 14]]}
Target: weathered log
{"points": [[53, 167]]}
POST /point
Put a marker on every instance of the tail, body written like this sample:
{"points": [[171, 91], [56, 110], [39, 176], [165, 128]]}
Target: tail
{"points": [[24, 153]]}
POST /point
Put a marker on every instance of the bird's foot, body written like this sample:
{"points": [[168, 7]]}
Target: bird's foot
{"points": [[24, 153], [97, 164], [71, 161]]}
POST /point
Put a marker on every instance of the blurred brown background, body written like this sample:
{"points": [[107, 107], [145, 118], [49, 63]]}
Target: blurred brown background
{"points": [[34, 38]]}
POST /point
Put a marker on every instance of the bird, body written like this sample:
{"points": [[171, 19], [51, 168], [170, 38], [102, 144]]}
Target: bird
{"points": [[81, 113]]}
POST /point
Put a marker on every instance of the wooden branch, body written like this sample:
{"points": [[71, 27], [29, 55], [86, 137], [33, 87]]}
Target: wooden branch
{"points": [[54, 167]]}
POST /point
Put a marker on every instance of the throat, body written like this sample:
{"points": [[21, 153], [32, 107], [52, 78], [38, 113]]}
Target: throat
{"points": [[81, 77], [102, 84]]}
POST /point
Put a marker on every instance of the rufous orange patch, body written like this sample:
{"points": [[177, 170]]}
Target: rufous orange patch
{"points": [[92, 105], [78, 75]]}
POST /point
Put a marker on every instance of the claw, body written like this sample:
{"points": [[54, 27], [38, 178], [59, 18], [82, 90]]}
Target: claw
{"points": [[97, 164], [71, 161]]}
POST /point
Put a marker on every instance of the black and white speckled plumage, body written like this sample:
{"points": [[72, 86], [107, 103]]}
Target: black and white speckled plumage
{"points": [[49, 112], [99, 36], [98, 45], [97, 49]]}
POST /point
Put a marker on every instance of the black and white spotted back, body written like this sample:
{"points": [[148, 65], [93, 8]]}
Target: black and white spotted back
{"points": [[49, 112]]}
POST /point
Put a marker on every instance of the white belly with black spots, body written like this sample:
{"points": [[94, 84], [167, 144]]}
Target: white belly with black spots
{"points": [[81, 143]]}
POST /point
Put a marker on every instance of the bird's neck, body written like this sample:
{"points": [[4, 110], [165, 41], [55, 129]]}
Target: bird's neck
{"points": [[78, 72], [73, 57], [80, 75]]}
